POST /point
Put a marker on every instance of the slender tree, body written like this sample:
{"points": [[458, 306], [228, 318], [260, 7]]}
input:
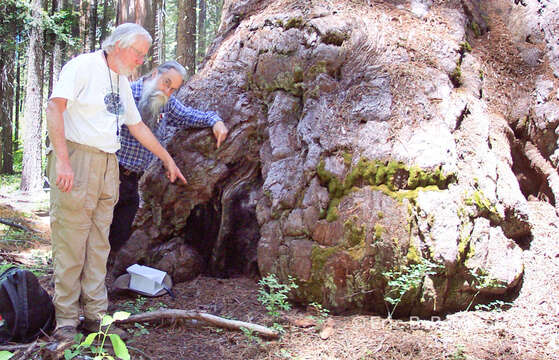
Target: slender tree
{"points": [[59, 50], [159, 40], [17, 100], [93, 25], [76, 34], [186, 35], [85, 11], [50, 39], [31, 171], [7, 56], [201, 50], [104, 21]]}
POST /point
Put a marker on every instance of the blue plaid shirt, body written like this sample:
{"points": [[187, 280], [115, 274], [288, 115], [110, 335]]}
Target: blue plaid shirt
{"points": [[134, 156]]}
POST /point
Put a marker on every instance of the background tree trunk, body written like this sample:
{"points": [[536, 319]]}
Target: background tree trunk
{"points": [[93, 25], [7, 57], [104, 21], [186, 35], [76, 34], [50, 41], [17, 100], [140, 12], [31, 171], [201, 30], [159, 40], [6, 105], [59, 47], [85, 10]]}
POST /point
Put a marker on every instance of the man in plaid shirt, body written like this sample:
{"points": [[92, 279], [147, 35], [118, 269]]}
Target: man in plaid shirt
{"points": [[161, 112]]}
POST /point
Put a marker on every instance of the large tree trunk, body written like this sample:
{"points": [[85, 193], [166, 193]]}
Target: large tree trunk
{"points": [[31, 172], [186, 35], [201, 29]]}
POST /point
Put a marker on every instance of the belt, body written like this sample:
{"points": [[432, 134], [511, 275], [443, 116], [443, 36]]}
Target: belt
{"points": [[91, 149], [127, 172]]}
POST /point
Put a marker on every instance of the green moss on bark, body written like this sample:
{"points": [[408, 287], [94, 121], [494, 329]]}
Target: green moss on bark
{"points": [[387, 177]]}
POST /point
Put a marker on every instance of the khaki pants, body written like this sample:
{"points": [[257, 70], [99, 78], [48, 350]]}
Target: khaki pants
{"points": [[80, 221]]}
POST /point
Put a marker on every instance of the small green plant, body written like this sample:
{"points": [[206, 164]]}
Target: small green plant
{"points": [[285, 354], [159, 305], [9, 183], [5, 355], [136, 306], [139, 330], [87, 346], [273, 294], [482, 280], [320, 310], [459, 353], [406, 279], [322, 313], [456, 76], [465, 47], [4, 266], [250, 336], [497, 306]]}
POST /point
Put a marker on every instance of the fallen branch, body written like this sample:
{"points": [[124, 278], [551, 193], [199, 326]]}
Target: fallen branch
{"points": [[176, 314], [26, 348], [18, 347], [16, 225]]}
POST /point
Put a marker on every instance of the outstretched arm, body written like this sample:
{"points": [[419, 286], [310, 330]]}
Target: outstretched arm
{"points": [[185, 116], [144, 135]]}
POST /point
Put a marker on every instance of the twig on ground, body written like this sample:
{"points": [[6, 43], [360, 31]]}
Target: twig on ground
{"points": [[175, 314], [26, 348], [139, 352], [16, 225]]}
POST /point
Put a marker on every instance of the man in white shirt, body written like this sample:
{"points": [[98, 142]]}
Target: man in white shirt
{"points": [[89, 103]]}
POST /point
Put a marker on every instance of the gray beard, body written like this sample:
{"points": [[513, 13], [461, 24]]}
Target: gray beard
{"points": [[151, 103]]}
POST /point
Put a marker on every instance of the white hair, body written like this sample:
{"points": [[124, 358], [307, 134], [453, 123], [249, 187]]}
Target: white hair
{"points": [[125, 34], [163, 68]]}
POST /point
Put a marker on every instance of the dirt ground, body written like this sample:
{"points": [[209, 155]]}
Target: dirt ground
{"points": [[529, 329]]}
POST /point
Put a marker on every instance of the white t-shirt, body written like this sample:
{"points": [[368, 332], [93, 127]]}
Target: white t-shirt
{"points": [[91, 112]]}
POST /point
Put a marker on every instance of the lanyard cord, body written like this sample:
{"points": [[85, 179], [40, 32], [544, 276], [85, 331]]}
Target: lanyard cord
{"points": [[117, 100]]}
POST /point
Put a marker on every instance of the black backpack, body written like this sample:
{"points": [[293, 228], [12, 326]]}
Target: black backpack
{"points": [[26, 308]]}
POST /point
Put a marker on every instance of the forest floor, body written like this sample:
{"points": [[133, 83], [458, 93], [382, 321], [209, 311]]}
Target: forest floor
{"points": [[528, 329]]}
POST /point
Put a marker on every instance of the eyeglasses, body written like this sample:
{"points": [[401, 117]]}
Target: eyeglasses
{"points": [[138, 53]]}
